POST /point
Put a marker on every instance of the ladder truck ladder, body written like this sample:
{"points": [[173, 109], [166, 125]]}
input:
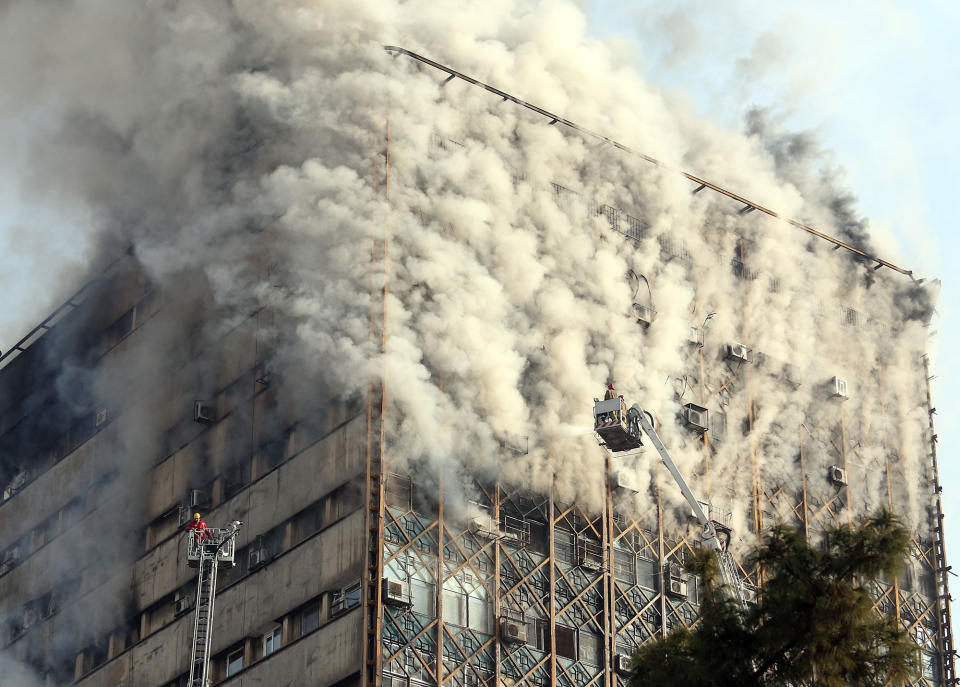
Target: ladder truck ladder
{"points": [[620, 430], [215, 548], [728, 571], [203, 618]]}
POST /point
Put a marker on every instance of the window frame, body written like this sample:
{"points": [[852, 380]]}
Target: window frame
{"points": [[272, 639], [231, 661]]}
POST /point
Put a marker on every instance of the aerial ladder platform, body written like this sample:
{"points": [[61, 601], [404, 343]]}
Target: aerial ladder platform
{"points": [[208, 550], [620, 429]]}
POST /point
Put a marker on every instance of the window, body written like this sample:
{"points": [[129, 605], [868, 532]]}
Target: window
{"points": [[234, 662], [471, 610], [352, 595], [234, 479], [310, 618], [647, 574], [272, 641], [850, 317], [625, 565], [399, 491], [344, 599], [718, 425], [424, 597], [308, 522], [566, 642], [591, 648], [538, 632], [538, 537], [565, 546]]}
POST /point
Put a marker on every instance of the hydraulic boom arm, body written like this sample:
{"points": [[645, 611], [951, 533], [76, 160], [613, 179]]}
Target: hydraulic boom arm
{"points": [[727, 569], [621, 431]]}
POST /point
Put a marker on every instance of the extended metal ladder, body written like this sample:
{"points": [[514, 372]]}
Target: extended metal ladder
{"points": [[728, 570], [203, 618], [216, 548]]}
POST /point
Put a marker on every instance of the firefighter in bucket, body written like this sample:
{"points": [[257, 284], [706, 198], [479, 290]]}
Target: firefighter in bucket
{"points": [[198, 530], [610, 394]]}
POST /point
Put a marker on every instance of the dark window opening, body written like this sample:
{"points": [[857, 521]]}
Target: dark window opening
{"points": [[566, 642]]}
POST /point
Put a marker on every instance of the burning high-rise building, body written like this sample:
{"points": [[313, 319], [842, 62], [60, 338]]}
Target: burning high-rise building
{"points": [[363, 304]]}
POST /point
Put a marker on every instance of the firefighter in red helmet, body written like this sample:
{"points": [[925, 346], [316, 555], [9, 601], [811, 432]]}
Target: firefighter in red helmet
{"points": [[198, 529]]}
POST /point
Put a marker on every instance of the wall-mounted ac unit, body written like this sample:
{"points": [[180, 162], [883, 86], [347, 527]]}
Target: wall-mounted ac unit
{"points": [[738, 352], [838, 388], [394, 592], [12, 556], [512, 631], [644, 314], [677, 586], [182, 604], [257, 557], [16, 483], [199, 499], [675, 580], [621, 664], [203, 413], [338, 604], [100, 418], [749, 594], [625, 480], [696, 417], [837, 475], [30, 616]]}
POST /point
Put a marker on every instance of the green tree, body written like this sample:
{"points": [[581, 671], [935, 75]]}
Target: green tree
{"points": [[814, 622]]}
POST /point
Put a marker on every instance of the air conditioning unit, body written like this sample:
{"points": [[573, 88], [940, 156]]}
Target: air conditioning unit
{"points": [[512, 631], [395, 592], [17, 483], [643, 313], [257, 557], [203, 413], [675, 580], [182, 604], [199, 499], [838, 388], [696, 417], [625, 480], [621, 664], [738, 352], [677, 586], [749, 594], [30, 616], [338, 604], [100, 418], [837, 475], [12, 557]]}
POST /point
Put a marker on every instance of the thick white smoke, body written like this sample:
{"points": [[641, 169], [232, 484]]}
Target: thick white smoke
{"points": [[250, 141]]}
